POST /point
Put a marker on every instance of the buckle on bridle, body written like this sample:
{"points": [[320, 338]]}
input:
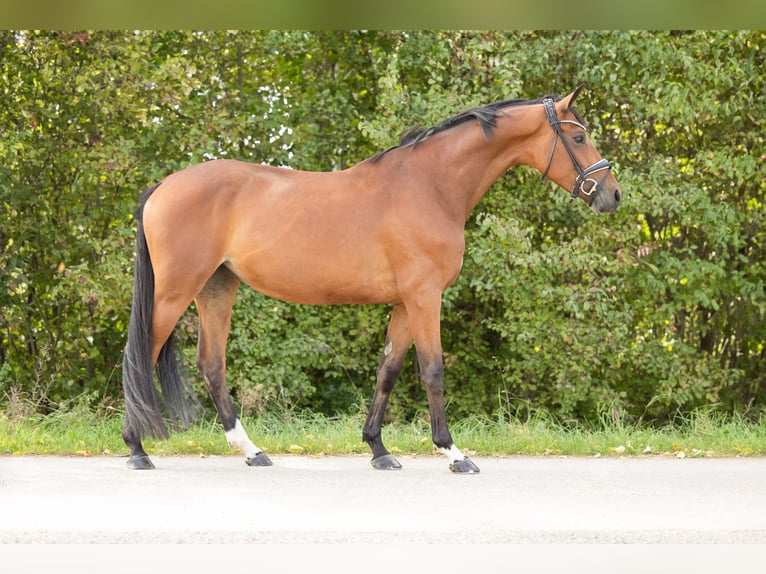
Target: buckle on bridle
{"points": [[595, 186]]}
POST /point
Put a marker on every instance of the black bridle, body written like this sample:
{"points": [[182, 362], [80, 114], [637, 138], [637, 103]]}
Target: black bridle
{"points": [[586, 186]]}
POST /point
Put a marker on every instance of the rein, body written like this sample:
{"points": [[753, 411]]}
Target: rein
{"points": [[584, 185]]}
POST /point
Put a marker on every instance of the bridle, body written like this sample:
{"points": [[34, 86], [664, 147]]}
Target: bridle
{"points": [[586, 186]]}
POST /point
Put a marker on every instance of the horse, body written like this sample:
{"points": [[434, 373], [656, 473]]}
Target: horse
{"points": [[388, 230]]}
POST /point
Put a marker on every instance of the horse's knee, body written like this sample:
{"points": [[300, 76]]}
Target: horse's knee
{"points": [[212, 370], [433, 378]]}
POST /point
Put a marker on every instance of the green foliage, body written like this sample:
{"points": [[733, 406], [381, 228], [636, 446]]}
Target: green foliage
{"points": [[654, 310]]}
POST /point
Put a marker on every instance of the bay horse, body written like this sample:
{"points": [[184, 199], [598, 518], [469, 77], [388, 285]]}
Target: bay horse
{"points": [[388, 230]]}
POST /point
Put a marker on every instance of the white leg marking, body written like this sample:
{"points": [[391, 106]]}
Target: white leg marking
{"points": [[453, 453], [237, 438]]}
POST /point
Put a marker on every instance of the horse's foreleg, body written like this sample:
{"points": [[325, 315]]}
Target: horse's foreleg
{"points": [[214, 304], [398, 340], [425, 324]]}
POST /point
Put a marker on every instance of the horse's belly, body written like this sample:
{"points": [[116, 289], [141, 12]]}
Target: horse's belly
{"points": [[316, 280]]}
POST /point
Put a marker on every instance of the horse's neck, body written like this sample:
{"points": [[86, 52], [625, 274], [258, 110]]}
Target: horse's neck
{"points": [[470, 163]]}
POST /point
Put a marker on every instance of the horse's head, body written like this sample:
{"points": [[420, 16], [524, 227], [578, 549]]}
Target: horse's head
{"points": [[595, 184]]}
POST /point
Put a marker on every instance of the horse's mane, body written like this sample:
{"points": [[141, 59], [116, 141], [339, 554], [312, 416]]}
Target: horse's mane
{"points": [[485, 115]]}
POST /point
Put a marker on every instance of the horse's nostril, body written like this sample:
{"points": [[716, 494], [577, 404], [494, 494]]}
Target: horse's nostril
{"points": [[617, 195]]}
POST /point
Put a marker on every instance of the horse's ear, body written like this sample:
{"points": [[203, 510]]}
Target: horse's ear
{"points": [[568, 101]]}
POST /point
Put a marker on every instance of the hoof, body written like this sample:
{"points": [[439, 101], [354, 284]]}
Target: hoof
{"points": [[385, 462], [464, 466], [140, 462], [259, 459]]}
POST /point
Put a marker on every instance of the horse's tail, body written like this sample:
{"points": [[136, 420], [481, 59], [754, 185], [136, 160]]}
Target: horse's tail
{"points": [[143, 413]]}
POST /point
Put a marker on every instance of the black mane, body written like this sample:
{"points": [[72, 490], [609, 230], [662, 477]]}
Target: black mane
{"points": [[485, 115]]}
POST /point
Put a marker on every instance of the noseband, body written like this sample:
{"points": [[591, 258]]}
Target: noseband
{"points": [[586, 186]]}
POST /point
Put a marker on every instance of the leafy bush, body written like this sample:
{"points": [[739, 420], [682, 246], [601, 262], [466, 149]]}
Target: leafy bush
{"points": [[653, 310]]}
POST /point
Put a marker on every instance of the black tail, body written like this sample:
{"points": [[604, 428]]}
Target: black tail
{"points": [[143, 413]]}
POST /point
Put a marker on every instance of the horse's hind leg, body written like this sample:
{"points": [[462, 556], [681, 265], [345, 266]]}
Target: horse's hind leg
{"points": [[138, 458], [398, 340], [214, 305], [142, 413]]}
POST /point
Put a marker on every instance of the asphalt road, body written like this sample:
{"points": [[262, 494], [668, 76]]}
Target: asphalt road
{"points": [[328, 500]]}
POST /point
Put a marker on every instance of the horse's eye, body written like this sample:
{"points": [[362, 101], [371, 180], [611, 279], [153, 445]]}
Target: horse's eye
{"points": [[579, 139]]}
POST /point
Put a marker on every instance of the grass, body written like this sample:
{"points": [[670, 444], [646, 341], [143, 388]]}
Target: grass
{"points": [[79, 432]]}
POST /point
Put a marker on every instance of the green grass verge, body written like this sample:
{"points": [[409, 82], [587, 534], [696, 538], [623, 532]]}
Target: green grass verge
{"points": [[704, 434]]}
